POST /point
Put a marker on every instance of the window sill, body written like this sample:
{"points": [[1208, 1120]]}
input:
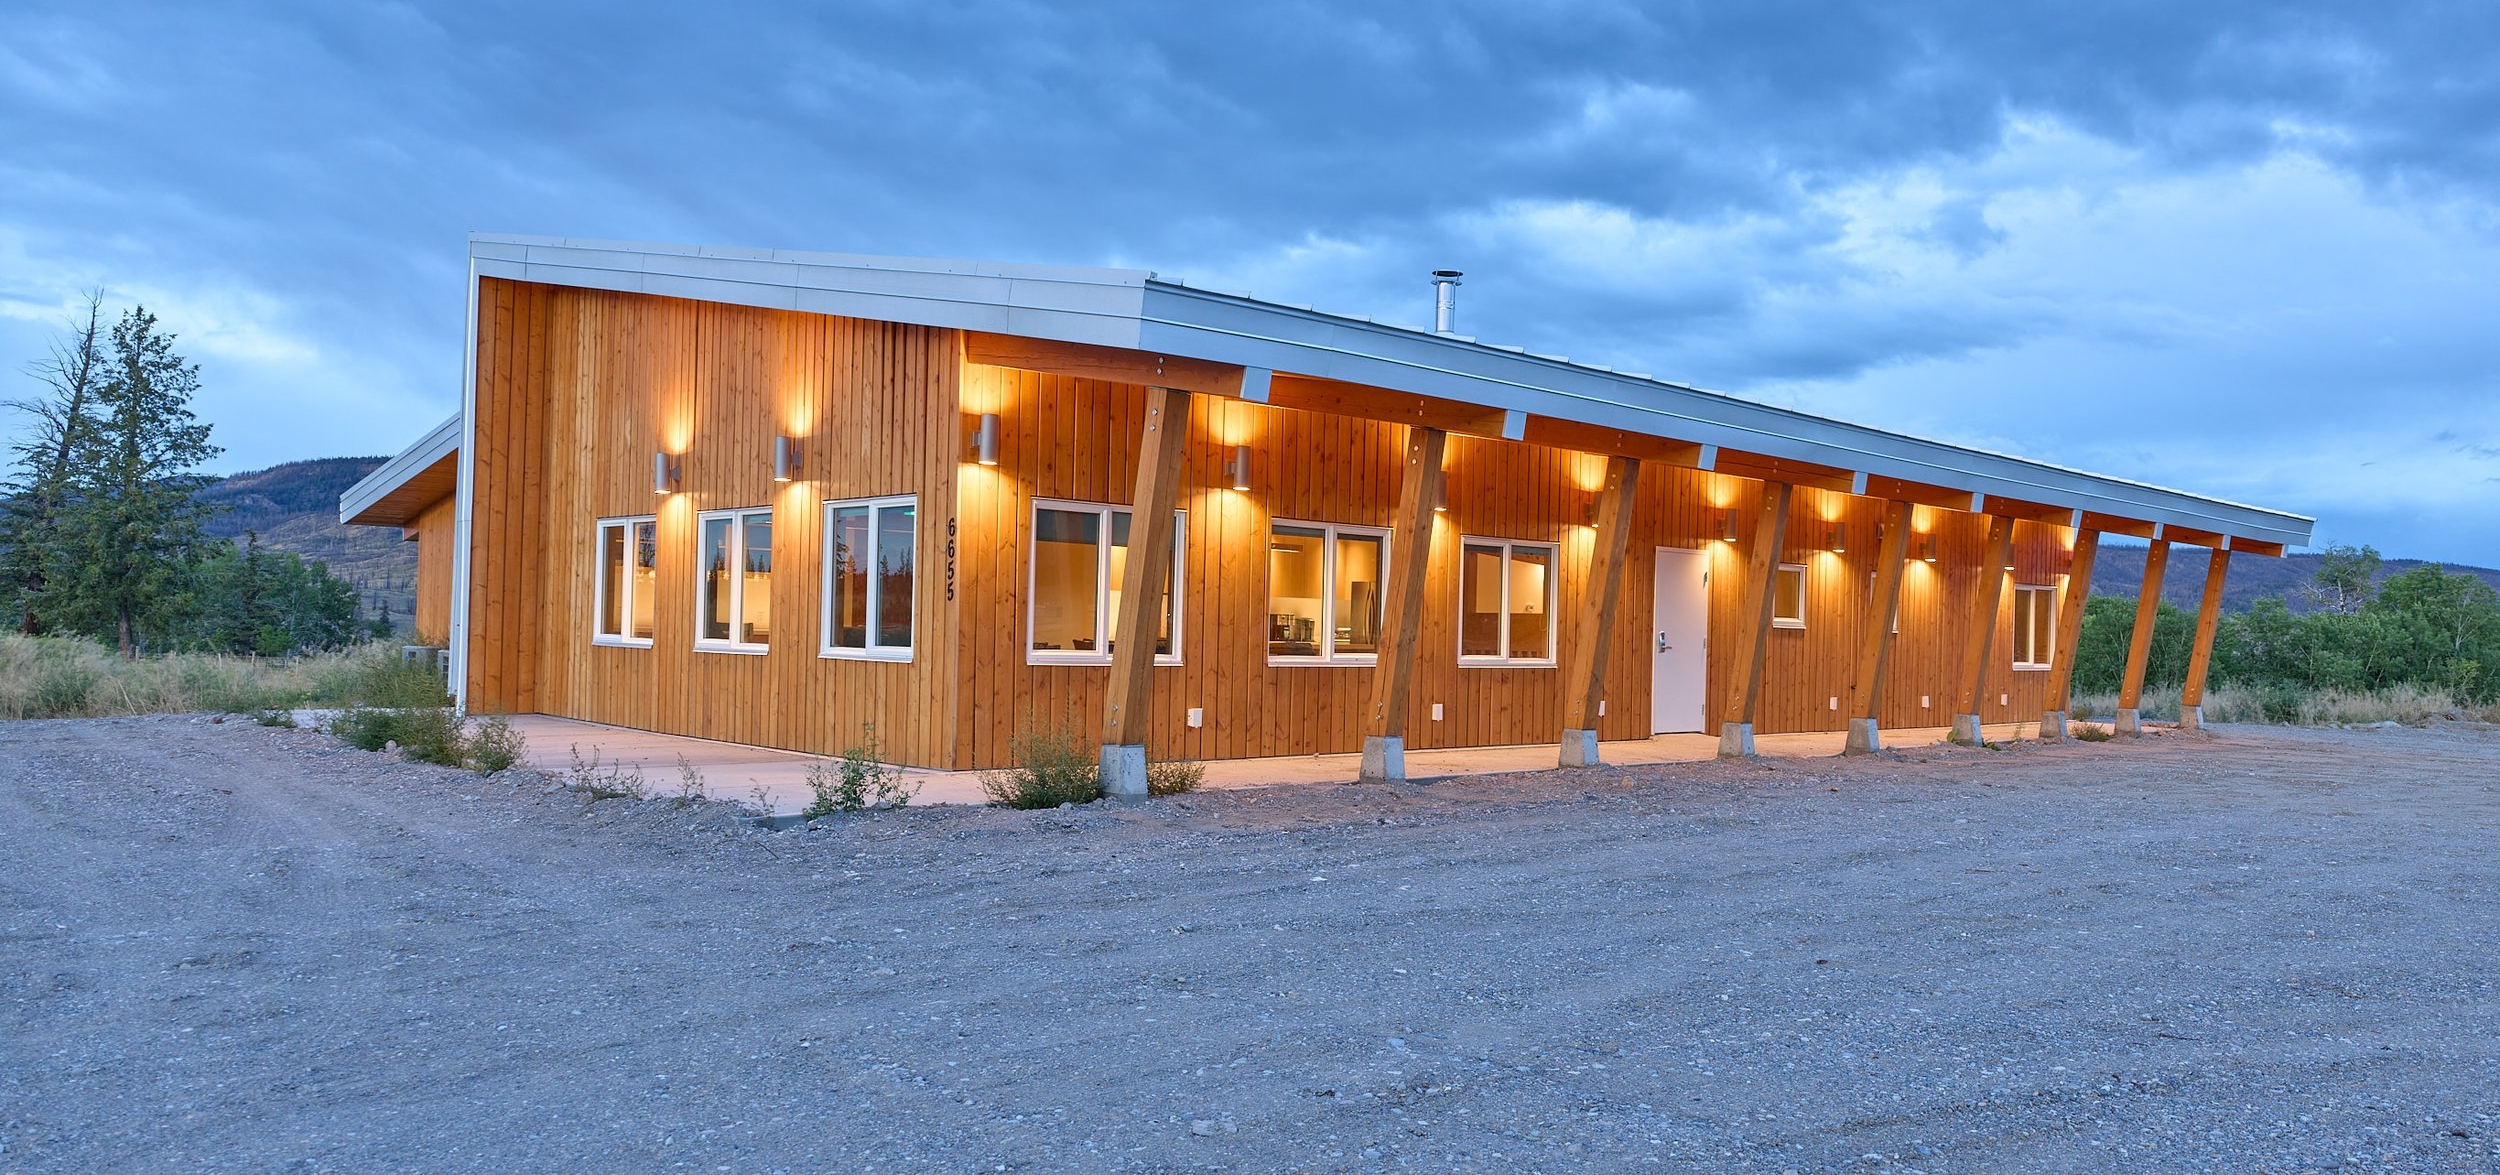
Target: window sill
{"points": [[621, 642], [743, 650], [1355, 660], [1040, 659], [2019, 667], [1792, 625], [1504, 663], [891, 656]]}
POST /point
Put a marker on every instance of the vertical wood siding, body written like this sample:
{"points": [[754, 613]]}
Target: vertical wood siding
{"points": [[432, 529], [578, 388]]}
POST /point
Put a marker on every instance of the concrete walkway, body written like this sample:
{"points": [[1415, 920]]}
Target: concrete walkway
{"points": [[748, 774]]}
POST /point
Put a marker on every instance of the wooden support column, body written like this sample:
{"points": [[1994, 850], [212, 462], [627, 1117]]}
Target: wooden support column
{"points": [[2200, 658], [1410, 557], [1758, 593], [1584, 672], [1127, 704], [2140, 645], [2059, 692], [1981, 638], [1883, 607]]}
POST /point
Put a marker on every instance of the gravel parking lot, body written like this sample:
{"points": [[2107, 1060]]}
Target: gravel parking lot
{"points": [[230, 948]]}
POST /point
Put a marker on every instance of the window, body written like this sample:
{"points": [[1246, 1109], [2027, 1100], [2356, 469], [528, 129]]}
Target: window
{"points": [[1506, 603], [629, 550], [868, 578], [1324, 592], [2035, 626], [734, 597], [1788, 596], [1077, 577]]}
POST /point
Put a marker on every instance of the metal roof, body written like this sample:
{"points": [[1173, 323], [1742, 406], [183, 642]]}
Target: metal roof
{"points": [[1136, 310], [367, 498]]}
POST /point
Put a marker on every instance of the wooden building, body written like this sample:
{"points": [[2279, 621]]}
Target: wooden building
{"points": [[774, 498]]}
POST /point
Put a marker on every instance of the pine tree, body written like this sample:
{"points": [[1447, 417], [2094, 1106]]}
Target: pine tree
{"points": [[41, 482], [133, 526]]}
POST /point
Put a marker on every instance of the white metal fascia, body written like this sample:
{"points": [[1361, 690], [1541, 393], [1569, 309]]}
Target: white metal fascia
{"points": [[436, 444]]}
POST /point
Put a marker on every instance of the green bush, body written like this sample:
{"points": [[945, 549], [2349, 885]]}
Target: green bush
{"points": [[495, 746], [1172, 777], [1051, 766], [859, 780]]}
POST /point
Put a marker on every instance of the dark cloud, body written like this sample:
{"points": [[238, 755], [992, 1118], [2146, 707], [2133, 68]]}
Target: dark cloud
{"points": [[2233, 214]]}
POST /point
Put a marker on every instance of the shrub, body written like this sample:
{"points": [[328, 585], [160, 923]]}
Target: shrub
{"points": [[1174, 777], [431, 735], [689, 783], [593, 783], [365, 729], [2091, 734], [495, 746], [276, 717], [1051, 766], [859, 780]]}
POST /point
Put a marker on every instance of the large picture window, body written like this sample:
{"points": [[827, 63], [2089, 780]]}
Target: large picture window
{"points": [[868, 578], [1080, 561], [734, 596], [1324, 586], [2035, 626], [1788, 596], [628, 561], [1506, 603]]}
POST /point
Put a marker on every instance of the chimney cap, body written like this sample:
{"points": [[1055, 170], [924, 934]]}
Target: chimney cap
{"points": [[1448, 273]]}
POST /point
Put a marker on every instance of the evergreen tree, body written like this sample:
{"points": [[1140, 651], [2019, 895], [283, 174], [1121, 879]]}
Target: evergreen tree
{"points": [[132, 527], [41, 482]]}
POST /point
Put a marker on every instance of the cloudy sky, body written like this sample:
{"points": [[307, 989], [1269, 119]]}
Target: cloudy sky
{"points": [[2252, 251]]}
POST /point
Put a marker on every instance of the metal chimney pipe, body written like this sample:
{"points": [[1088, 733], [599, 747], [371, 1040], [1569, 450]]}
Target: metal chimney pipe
{"points": [[1445, 301]]}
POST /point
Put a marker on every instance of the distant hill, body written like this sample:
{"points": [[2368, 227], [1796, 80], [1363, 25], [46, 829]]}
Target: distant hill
{"points": [[2119, 570], [295, 507]]}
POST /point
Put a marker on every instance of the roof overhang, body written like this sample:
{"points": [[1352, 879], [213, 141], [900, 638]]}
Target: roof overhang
{"points": [[402, 487], [1133, 310]]}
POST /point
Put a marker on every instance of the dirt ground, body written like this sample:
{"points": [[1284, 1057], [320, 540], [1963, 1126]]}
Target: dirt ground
{"points": [[230, 948]]}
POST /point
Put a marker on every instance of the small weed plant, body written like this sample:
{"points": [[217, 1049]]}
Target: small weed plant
{"points": [[689, 784], [595, 781], [2091, 734], [1050, 766], [276, 717], [495, 746], [1172, 777], [859, 780]]}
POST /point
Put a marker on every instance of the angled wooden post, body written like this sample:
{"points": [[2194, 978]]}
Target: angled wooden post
{"points": [[1127, 704], [2200, 658], [1410, 558], [1758, 593], [2059, 693], [1584, 672], [1981, 638], [2140, 645], [1883, 607]]}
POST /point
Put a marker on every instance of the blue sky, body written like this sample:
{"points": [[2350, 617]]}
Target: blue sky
{"points": [[2252, 251]]}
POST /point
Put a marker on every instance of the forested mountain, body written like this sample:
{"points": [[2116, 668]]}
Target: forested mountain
{"points": [[2119, 570], [295, 507]]}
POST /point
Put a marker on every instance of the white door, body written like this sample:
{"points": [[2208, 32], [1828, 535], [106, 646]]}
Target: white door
{"points": [[1679, 666]]}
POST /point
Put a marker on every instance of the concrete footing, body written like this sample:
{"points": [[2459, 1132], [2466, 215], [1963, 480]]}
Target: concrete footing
{"points": [[1864, 738], [1123, 772], [1966, 730], [1579, 748], [2053, 727], [2191, 718], [2130, 721], [1384, 759], [1736, 740]]}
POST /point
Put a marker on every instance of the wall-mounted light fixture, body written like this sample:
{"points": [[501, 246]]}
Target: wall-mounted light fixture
{"points": [[785, 458], [1239, 468], [1441, 496], [1588, 513], [667, 470], [1927, 548], [1840, 538], [985, 440], [1727, 526]]}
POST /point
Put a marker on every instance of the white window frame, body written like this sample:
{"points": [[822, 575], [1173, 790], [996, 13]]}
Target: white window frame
{"points": [[1804, 582], [1103, 618], [737, 579], [599, 582], [1553, 602], [824, 611], [2045, 597], [1328, 654]]}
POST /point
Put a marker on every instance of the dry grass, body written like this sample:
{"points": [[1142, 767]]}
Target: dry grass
{"points": [[2411, 705], [55, 677]]}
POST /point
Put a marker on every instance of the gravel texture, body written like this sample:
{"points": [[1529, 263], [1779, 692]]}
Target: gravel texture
{"points": [[230, 948]]}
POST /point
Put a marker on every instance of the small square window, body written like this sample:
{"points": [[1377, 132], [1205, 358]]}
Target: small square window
{"points": [[1506, 603], [1325, 586], [627, 553], [1080, 561], [733, 588], [1788, 596], [869, 573]]}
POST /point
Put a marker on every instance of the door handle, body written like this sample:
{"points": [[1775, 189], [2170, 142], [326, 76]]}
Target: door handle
{"points": [[1663, 646]]}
